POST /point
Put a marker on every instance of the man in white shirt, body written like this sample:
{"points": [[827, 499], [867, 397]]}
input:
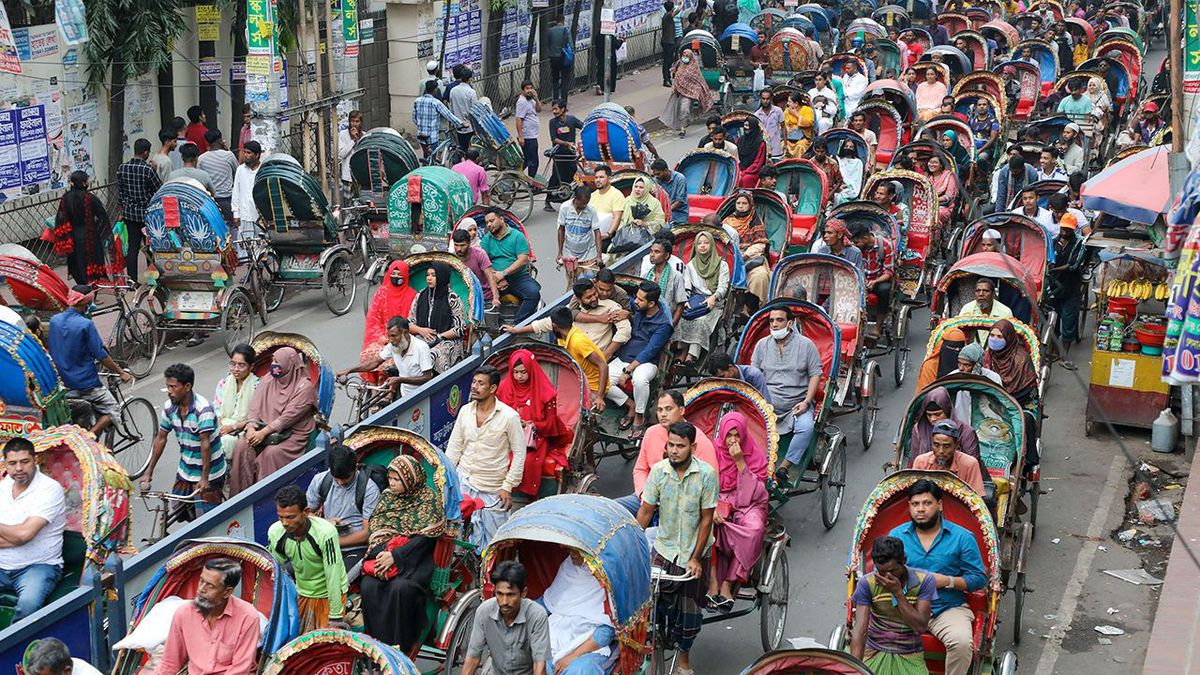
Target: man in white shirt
{"points": [[822, 89], [462, 97], [411, 358], [487, 447], [32, 517], [854, 83], [1030, 209], [221, 165], [1048, 168], [245, 212], [50, 656], [347, 139]]}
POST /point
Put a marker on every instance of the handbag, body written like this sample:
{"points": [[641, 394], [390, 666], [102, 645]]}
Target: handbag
{"points": [[568, 54], [696, 306]]}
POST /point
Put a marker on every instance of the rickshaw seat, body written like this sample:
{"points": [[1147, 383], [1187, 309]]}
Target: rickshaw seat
{"points": [[849, 339], [977, 601], [74, 557], [702, 205], [803, 226], [1024, 108]]}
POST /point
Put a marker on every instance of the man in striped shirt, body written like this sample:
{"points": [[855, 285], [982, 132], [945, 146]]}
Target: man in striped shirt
{"points": [[892, 607], [201, 460]]}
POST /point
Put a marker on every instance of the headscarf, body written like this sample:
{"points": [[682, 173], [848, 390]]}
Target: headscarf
{"points": [[688, 81], [944, 360], [755, 458], [749, 143], [957, 151], [921, 440], [1012, 363], [289, 392], [707, 266], [462, 225], [972, 352], [743, 225], [433, 304], [414, 510], [535, 393], [838, 226], [389, 301], [655, 218]]}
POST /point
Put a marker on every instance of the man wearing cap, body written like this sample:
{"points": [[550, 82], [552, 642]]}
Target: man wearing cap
{"points": [[1146, 128], [944, 455], [1071, 149], [835, 240], [991, 242], [75, 347], [1066, 282]]}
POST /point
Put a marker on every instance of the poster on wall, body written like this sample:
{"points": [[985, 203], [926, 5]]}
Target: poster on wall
{"points": [[10, 155], [10, 61], [31, 141], [514, 34], [464, 34], [633, 15], [583, 30], [208, 23], [80, 127], [72, 21]]}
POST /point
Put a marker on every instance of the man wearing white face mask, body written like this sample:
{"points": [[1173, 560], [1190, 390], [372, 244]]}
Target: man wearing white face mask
{"points": [[792, 367]]}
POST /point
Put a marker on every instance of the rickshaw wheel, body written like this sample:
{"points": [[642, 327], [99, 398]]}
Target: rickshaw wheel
{"points": [[456, 653], [832, 483], [237, 321], [272, 293], [870, 413], [139, 422], [900, 347], [137, 340], [339, 285], [513, 193], [773, 607]]}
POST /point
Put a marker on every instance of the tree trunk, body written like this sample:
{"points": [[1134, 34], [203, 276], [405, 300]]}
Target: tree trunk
{"points": [[534, 30], [237, 89], [116, 122], [166, 96]]}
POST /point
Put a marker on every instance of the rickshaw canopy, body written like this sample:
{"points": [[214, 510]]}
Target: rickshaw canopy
{"points": [[425, 207]]}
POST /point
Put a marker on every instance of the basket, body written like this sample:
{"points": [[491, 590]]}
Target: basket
{"points": [[1126, 307], [1151, 335]]}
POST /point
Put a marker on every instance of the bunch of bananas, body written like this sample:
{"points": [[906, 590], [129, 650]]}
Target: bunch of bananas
{"points": [[1139, 289]]}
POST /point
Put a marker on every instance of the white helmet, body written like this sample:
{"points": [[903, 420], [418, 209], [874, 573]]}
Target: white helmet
{"points": [[431, 67]]}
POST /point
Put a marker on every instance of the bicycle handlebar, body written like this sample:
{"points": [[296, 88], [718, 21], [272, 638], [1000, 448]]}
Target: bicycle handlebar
{"points": [[659, 574], [171, 496]]}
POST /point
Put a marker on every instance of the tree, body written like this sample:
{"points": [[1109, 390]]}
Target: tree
{"points": [[126, 39]]}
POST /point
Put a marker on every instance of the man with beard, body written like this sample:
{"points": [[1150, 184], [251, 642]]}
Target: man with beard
{"points": [[944, 455], [654, 447], [951, 553], [32, 518], [682, 491], [218, 632]]}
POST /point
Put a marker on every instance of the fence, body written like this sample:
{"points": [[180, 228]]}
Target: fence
{"points": [[22, 220]]}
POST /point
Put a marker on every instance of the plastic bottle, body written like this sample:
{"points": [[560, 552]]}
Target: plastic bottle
{"points": [[1164, 432]]}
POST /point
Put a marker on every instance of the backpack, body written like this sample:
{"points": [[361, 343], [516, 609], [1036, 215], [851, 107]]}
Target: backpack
{"points": [[568, 54], [371, 472]]}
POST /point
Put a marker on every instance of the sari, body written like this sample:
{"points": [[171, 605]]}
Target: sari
{"points": [[946, 185], [929, 99], [406, 523], [753, 242], [743, 494], [390, 300], [687, 85], [232, 406], [286, 405], [536, 402]]}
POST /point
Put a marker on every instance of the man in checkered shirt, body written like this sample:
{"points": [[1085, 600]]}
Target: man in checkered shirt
{"points": [[137, 182], [879, 265], [428, 113]]}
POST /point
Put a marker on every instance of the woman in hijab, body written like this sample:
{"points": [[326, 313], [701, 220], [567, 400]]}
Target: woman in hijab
{"points": [[709, 267], [438, 318], [1007, 356], [799, 125], [394, 298], [946, 184], [1101, 104], [527, 390], [753, 242], [398, 567], [852, 169], [282, 415], [752, 152], [956, 150], [641, 219], [688, 86], [741, 514], [935, 407], [970, 362], [943, 361], [472, 229], [82, 233]]}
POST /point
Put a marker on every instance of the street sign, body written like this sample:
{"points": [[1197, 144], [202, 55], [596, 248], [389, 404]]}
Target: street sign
{"points": [[608, 21]]}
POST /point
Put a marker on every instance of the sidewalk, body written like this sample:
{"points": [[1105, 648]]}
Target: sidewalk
{"points": [[641, 89]]}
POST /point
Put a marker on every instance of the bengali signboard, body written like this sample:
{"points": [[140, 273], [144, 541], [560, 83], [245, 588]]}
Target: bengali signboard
{"points": [[208, 23], [10, 154], [72, 21], [350, 26], [10, 60], [31, 140]]}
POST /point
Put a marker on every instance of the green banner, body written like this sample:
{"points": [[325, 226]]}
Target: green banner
{"points": [[350, 22], [259, 26]]}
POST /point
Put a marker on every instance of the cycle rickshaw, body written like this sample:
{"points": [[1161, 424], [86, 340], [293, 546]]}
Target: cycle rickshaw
{"points": [[455, 586], [727, 326], [807, 191], [825, 32], [610, 137], [1046, 56], [784, 232], [891, 16], [920, 235], [463, 284], [317, 370], [823, 465], [303, 249], [712, 175], [265, 584], [789, 53], [1002, 33], [509, 186], [808, 661], [890, 129], [768, 22], [1020, 237], [712, 60], [381, 158], [887, 507], [31, 395], [1025, 86], [899, 96], [29, 286], [338, 651]]}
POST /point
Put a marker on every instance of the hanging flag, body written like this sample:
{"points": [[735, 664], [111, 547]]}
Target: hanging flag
{"points": [[69, 14], [10, 62], [350, 26]]}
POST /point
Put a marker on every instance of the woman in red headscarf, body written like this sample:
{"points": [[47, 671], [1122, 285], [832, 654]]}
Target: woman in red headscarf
{"points": [[527, 390], [741, 516], [394, 298]]}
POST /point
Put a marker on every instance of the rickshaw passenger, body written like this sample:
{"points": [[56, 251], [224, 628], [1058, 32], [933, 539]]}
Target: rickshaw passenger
{"points": [[407, 354], [75, 347], [670, 408], [670, 279], [721, 364], [951, 554], [835, 240], [828, 165], [641, 219], [32, 518], [399, 566], [1030, 208], [970, 362], [394, 298], [487, 447], [930, 93], [1066, 282], [603, 322], [683, 493], [938, 408], [741, 515], [282, 415], [508, 250], [945, 183], [886, 196], [1006, 355], [962, 158], [1073, 158], [943, 361], [892, 608], [710, 274], [638, 359], [217, 633], [310, 546], [985, 304], [527, 390], [231, 400], [879, 266], [477, 261], [852, 170], [751, 152], [346, 496], [753, 242], [50, 656], [581, 632], [944, 455], [991, 242], [438, 318], [792, 366]]}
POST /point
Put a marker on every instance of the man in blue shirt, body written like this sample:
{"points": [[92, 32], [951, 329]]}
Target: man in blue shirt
{"points": [[509, 250], [951, 553], [676, 187], [638, 359], [75, 347], [721, 365]]}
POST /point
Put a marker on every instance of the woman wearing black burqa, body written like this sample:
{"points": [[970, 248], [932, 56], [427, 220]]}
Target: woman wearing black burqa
{"points": [[82, 233]]}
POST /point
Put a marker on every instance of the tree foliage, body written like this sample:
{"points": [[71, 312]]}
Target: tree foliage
{"points": [[132, 35]]}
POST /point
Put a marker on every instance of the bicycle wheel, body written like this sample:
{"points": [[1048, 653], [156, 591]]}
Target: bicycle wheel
{"points": [[237, 320], [339, 284], [513, 193], [138, 343], [139, 423], [272, 291]]}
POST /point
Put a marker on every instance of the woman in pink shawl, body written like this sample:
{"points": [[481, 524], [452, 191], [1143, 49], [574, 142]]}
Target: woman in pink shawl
{"points": [[741, 516], [282, 415], [946, 185]]}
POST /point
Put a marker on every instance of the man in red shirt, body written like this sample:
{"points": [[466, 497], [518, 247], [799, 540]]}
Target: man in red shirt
{"points": [[218, 632], [198, 125]]}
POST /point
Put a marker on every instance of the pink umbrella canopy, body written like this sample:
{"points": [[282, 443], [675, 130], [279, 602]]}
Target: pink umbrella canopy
{"points": [[1137, 188]]}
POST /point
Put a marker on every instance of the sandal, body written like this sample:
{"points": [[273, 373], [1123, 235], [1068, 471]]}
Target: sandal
{"points": [[712, 601], [637, 434], [724, 604], [625, 423]]}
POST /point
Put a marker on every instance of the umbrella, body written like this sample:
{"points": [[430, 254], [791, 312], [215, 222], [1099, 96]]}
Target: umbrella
{"points": [[1137, 188]]}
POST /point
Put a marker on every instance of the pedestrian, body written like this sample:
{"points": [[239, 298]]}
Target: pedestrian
{"points": [[643, 135], [1066, 283], [688, 88], [245, 211], [527, 109], [668, 39], [578, 234], [751, 152], [513, 628], [198, 126], [50, 656], [563, 129], [606, 64], [562, 59], [244, 135], [682, 491], [221, 165], [461, 98], [179, 126], [191, 154], [83, 232], [771, 117], [428, 113], [202, 465], [347, 139], [162, 159], [137, 181], [476, 176]]}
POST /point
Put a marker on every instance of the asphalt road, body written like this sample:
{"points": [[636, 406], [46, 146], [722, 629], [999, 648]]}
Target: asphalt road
{"points": [[817, 557]]}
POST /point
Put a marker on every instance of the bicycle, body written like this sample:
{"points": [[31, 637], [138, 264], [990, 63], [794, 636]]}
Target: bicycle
{"points": [[365, 398], [133, 342], [131, 439], [515, 191], [656, 629], [357, 233], [170, 510]]}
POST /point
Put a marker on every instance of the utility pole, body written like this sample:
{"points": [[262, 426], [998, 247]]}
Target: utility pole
{"points": [[1175, 54]]}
